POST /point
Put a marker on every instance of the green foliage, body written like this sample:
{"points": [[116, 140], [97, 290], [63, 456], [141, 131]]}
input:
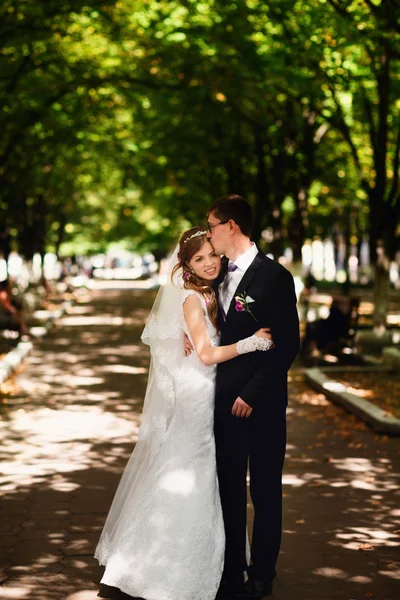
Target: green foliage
{"points": [[125, 119]]}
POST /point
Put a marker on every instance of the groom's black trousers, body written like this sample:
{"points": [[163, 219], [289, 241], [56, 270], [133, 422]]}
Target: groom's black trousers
{"points": [[258, 441]]}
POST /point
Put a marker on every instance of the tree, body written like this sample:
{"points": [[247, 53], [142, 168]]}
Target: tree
{"points": [[350, 51], [128, 118]]}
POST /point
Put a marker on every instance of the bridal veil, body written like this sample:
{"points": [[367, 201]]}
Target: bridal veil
{"points": [[164, 334]]}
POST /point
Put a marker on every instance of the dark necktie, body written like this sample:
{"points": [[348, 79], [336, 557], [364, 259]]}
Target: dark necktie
{"points": [[231, 268]]}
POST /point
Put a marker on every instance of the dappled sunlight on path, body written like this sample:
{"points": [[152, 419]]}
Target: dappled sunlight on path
{"points": [[70, 421], [341, 496]]}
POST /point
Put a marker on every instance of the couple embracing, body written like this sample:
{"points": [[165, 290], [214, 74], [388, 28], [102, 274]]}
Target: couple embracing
{"points": [[222, 334]]}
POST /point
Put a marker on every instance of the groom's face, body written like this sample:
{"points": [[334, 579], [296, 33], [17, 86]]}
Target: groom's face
{"points": [[219, 234]]}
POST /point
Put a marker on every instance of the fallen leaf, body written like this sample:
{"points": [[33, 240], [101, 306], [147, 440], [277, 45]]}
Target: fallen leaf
{"points": [[300, 521], [366, 547]]}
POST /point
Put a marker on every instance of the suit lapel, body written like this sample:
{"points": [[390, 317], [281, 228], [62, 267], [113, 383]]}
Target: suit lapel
{"points": [[220, 278], [246, 280]]}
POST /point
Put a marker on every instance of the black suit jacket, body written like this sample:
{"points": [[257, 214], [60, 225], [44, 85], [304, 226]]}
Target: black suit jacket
{"points": [[260, 378]]}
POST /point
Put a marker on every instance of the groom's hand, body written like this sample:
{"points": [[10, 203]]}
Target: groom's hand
{"points": [[241, 409]]}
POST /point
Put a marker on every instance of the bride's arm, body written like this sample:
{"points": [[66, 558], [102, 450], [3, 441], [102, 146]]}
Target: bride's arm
{"points": [[208, 354]]}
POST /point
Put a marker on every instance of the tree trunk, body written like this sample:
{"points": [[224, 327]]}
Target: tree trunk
{"points": [[60, 234], [299, 223], [276, 246], [261, 207], [377, 199], [381, 245], [381, 289], [346, 283], [5, 243]]}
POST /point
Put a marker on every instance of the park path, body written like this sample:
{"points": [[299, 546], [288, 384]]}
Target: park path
{"points": [[70, 419]]}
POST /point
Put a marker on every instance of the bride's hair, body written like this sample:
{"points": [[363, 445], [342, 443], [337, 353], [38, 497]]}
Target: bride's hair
{"points": [[190, 242]]}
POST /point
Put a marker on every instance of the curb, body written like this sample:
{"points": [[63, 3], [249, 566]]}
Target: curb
{"points": [[391, 357], [12, 360], [375, 416]]}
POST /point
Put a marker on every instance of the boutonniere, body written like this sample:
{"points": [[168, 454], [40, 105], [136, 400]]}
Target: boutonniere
{"points": [[242, 302]]}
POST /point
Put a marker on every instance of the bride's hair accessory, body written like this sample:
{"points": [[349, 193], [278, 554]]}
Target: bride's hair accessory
{"points": [[195, 235], [253, 343]]}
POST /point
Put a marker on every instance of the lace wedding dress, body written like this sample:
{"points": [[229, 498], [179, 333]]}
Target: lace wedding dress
{"points": [[164, 536]]}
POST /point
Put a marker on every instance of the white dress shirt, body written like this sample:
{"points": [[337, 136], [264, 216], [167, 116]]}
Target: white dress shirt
{"points": [[228, 287]]}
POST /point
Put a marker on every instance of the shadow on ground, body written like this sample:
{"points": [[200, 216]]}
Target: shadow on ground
{"points": [[70, 421]]}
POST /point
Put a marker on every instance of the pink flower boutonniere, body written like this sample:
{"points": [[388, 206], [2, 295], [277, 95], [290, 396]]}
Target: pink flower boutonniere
{"points": [[242, 302]]}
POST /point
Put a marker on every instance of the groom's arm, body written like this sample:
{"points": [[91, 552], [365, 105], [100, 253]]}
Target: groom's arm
{"points": [[285, 332]]}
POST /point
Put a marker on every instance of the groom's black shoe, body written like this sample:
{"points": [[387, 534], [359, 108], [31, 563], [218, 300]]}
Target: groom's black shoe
{"points": [[261, 589], [254, 589]]}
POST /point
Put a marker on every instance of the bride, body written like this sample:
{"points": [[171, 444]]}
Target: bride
{"points": [[164, 535]]}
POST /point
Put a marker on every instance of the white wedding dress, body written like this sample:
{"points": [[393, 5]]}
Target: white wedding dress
{"points": [[165, 541]]}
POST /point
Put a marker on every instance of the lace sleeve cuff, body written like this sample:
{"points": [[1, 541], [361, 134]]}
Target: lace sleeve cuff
{"points": [[253, 343]]}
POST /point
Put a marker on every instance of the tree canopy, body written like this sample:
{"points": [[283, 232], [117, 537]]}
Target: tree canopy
{"points": [[123, 120]]}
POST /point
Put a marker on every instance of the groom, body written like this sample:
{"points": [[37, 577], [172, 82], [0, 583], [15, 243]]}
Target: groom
{"points": [[251, 396]]}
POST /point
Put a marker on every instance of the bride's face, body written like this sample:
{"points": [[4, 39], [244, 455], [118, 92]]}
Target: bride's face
{"points": [[205, 263]]}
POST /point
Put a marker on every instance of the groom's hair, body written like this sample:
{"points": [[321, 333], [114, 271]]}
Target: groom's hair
{"points": [[234, 207]]}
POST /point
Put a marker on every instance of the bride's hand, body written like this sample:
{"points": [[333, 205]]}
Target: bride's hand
{"points": [[264, 333]]}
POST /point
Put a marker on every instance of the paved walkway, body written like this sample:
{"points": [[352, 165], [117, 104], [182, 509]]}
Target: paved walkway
{"points": [[69, 422]]}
